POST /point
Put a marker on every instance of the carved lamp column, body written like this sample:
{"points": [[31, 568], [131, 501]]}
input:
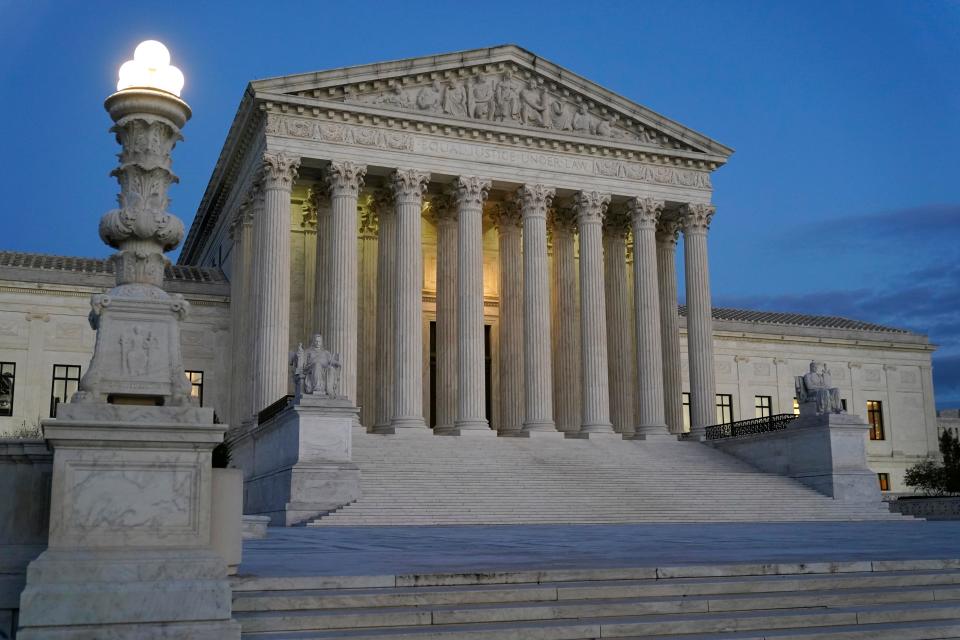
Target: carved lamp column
{"points": [[130, 500]]}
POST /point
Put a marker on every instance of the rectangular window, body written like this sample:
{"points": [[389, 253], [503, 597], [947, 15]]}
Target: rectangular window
{"points": [[724, 408], [8, 376], [843, 403], [875, 419], [796, 407], [66, 379], [884, 479], [196, 385], [763, 406], [686, 412]]}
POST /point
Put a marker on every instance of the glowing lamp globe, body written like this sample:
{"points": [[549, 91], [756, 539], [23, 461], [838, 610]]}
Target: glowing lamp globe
{"points": [[151, 69]]}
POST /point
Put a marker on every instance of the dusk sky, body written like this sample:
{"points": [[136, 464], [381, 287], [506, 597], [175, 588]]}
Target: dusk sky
{"points": [[843, 196]]}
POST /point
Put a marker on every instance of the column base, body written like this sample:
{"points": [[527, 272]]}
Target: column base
{"points": [[406, 427], [539, 427], [697, 434], [658, 432], [594, 435], [475, 429], [602, 427], [541, 435]]}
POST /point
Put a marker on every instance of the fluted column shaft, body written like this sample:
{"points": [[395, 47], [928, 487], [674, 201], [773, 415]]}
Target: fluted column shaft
{"points": [[386, 305], [619, 339], [319, 196], [566, 323], [241, 231], [409, 186], [272, 279], [696, 221], [447, 265], [469, 194], [644, 213], [670, 325], [508, 223], [534, 201], [344, 180], [591, 207]]}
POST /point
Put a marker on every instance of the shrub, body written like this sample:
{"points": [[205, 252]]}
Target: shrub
{"points": [[933, 478]]}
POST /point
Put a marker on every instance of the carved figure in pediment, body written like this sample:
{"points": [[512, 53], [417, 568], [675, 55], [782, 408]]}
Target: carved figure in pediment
{"points": [[559, 114], [532, 103], [507, 97], [395, 98], [582, 120], [455, 100], [429, 98], [480, 98]]}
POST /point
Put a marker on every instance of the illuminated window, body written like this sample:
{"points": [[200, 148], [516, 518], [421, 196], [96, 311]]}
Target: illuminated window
{"points": [[724, 408], [763, 406], [8, 375], [196, 385], [686, 411], [875, 419], [66, 379], [796, 407], [884, 479]]}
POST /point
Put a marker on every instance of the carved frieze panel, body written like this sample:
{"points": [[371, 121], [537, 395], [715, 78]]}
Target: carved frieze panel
{"points": [[307, 129]]}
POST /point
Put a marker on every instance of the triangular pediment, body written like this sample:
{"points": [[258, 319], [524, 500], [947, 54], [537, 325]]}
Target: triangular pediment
{"points": [[503, 87]]}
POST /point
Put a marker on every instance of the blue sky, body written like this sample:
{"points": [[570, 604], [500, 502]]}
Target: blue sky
{"points": [[843, 196]]}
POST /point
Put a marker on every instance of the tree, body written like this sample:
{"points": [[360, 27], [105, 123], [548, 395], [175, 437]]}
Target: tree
{"points": [[934, 478], [950, 450]]}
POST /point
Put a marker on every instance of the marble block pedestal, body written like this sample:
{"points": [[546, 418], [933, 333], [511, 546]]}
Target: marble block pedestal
{"points": [[826, 452], [297, 464], [129, 549]]}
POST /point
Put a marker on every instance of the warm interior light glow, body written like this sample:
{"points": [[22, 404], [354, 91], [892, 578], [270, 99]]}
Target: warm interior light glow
{"points": [[151, 68]]}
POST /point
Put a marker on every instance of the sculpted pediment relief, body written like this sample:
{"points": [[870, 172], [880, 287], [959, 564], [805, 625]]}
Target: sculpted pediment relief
{"points": [[510, 98]]}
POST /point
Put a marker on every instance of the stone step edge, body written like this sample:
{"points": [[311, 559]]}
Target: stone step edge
{"points": [[255, 583]]}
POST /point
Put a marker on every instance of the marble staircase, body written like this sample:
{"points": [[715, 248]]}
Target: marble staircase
{"points": [[893, 600], [437, 480]]}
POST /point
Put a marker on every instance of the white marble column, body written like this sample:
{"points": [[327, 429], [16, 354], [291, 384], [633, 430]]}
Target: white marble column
{"points": [[444, 210], [241, 230], [620, 349], [695, 219], [566, 321], [534, 199], [344, 180], [409, 186], [367, 311], [644, 213], [667, 232], [319, 198], [271, 271], [469, 194], [386, 305], [591, 207], [508, 220]]}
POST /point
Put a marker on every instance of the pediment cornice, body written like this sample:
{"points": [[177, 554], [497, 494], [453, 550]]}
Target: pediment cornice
{"points": [[503, 89]]}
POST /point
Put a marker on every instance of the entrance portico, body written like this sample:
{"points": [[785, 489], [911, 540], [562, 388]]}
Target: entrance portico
{"points": [[402, 145]]}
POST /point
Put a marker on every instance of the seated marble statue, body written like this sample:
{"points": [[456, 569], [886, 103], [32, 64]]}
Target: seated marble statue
{"points": [[316, 371], [816, 387]]}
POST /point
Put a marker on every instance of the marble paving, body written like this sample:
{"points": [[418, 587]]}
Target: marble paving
{"points": [[440, 549]]}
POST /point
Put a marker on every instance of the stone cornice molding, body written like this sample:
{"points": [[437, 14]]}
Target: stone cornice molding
{"points": [[344, 178], [470, 192], [279, 170], [644, 212], [696, 217], [409, 185], [534, 200], [668, 231], [591, 206]]}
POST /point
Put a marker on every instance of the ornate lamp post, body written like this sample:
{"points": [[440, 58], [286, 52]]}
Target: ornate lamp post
{"points": [[129, 552]]}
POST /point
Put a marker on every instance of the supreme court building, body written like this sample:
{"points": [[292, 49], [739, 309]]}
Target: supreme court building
{"points": [[489, 242]]}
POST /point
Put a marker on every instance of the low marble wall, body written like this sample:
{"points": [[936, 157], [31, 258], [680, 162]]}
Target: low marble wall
{"points": [[946, 508], [25, 470], [824, 452]]}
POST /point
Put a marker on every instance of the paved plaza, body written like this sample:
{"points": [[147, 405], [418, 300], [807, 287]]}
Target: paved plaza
{"points": [[404, 550]]}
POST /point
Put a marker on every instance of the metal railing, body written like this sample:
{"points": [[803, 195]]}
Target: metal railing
{"points": [[750, 427]]}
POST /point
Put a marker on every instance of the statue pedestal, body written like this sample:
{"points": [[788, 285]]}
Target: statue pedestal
{"points": [[826, 452], [129, 550], [297, 464]]}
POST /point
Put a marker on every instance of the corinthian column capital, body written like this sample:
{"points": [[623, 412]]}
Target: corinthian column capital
{"points": [[534, 200], [470, 191], [696, 217], [591, 206], [617, 222], [563, 218], [279, 170], [668, 231], [409, 185], [506, 216], [644, 212], [345, 178]]}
